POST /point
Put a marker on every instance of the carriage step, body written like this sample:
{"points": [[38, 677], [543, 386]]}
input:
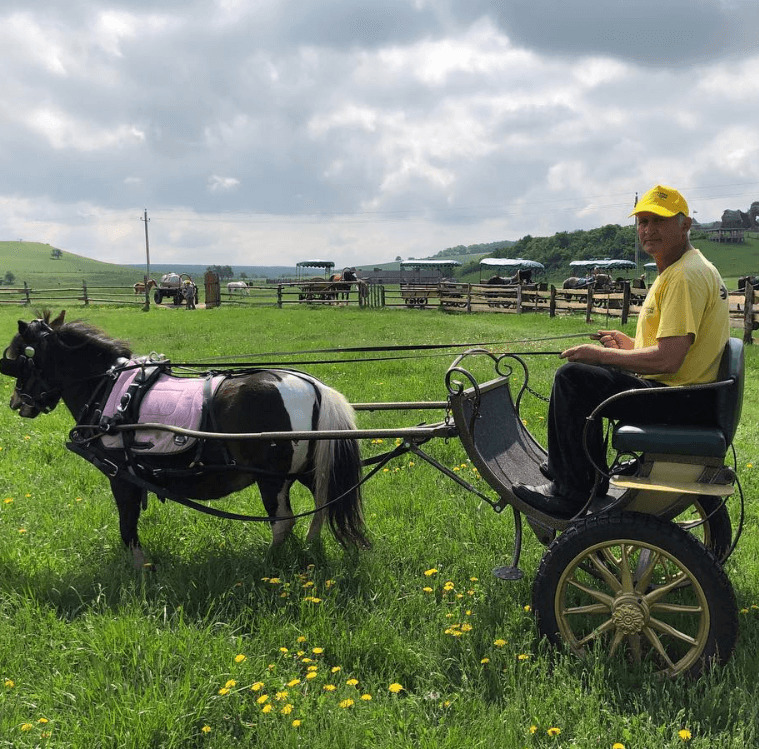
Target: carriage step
{"points": [[683, 487], [508, 573]]}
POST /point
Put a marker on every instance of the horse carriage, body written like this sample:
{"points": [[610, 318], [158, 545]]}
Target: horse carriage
{"points": [[596, 273], [638, 573], [173, 286], [421, 280], [505, 274]]}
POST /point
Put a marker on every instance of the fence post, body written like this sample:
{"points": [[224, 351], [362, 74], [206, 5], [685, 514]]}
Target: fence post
{"points": [[748, 313], [589, 305], [84, 293], [552, 302], [279, 295], [27, 294], [519, 298], [625, 301], [469, 297]]}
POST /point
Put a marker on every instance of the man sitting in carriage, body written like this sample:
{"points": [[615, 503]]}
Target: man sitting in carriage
{"points": [[681, 334]]}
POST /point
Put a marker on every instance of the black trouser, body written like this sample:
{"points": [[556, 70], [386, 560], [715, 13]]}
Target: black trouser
{"points": [[577, 390]]}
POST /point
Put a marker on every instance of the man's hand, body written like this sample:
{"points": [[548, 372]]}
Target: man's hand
{"points": [[614, 339]]}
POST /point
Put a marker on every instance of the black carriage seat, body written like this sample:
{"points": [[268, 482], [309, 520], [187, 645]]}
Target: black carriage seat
{"points": [[710, 427]]}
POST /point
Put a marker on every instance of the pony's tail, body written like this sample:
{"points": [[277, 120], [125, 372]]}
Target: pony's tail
{"points": [[338, 471]]}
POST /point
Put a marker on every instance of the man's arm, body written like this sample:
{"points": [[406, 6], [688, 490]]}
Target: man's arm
{"points": [[666, 357]]}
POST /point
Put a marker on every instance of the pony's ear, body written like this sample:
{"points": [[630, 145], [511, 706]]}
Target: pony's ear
{"points": [[22, 327], [58, 320]]}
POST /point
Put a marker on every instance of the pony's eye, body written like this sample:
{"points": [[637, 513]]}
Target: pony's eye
{"points": [[29, 352]]}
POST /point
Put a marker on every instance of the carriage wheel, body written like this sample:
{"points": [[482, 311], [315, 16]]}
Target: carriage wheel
{"points": [[636, 585], [157, 297]]}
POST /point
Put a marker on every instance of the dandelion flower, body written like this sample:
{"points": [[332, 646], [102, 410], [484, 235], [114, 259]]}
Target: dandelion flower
{"points": [[266, 709], [346, 703], [684, 734], [26, 726], [257, 687], [499, 643], [352, 682], [231, 683], [485, 660], [366, 697], [336, 669], [224, 690], [618, 745], [527, 608], [296, 723], [533, 728], [523, 656], [301, 639], [313, 668], [284, 650], [311, 675], [329, 687], [286, 709], [395, 688], [43, 720], [262, 699], [318, 651], [292, 683], [240, 658], [206, 729], [473, 579], [274, 580], [427, 589], [9, 683], [553, 731], [430, 572], [280, 696]]}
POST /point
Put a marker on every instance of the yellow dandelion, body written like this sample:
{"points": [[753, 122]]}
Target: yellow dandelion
{"points": [[26, 726], [301, 639], [553, 731], [307, 660], [293, 683], [617, 745], [329, 583], [311, 675], [466, 627], [427, 589], [527, 608], [274, 580], [280, 696], [684, 734], [9, 683], [43, 720], [8, 500], [296, 723], [336, 669], [262, 699], [533, 728], [231, 683], [266, 709], [286, 709], [366, 697], [346, 703], [329, 687], [206, 729], [431, 572], [224, 690], [352, 682], [456, 469], [485, 660], [284, 650], [257, 687], [395, 688], [385, 470], [523, 657], [749, 465], [499, 643], [313, 668], [240, 658], [317, 651], [449, 586]]}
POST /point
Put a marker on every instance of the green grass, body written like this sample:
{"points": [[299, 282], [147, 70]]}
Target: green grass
{"points": [[113, 658]]}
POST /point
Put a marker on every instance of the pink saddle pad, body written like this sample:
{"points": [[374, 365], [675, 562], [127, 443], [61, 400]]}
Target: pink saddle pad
{"points": [[174, 401]]}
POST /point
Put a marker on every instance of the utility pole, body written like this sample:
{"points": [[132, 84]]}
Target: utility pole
{"points": [[637, 245], [147, 255]]}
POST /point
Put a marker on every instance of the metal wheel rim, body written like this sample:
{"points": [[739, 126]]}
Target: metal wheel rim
{"points": [[634, 593]]}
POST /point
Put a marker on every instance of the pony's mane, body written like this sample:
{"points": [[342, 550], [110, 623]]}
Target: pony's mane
{"points": [[78, 332]]}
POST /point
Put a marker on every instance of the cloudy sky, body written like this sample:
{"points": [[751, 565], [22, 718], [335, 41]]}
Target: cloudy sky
{"points": [[266, 132]]}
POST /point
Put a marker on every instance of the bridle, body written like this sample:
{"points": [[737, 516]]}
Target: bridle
{"points": [[33, 389]]}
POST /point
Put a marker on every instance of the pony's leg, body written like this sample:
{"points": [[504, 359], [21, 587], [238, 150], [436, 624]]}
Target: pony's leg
{"points": [[276, 499], [128, 500], [315, 529]]}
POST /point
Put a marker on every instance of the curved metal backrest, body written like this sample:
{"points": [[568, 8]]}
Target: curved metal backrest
{"points": [[730, 399]]}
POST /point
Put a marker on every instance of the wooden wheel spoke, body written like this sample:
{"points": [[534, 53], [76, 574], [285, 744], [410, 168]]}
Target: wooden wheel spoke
{"points": [[646, 571], [676, 608], [619, 638], [625, 573], [653, 638], [606, 574], [654, 596], [597, 632], [591, 608], [598, 595], [670, 630]]}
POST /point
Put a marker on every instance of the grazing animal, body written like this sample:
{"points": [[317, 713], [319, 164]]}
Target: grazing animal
{"points": [[238, 287], [341, 283], [52, 360], [139, 287], [522, 276]]}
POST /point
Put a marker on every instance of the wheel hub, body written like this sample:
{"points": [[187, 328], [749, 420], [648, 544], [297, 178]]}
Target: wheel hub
{"points": [[630, 614]]}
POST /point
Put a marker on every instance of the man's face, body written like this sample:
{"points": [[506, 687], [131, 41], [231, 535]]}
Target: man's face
{"points": [[662, 236]]}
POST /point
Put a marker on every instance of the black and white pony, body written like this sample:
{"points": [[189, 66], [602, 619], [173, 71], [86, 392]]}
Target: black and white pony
{"points": [[522, 276], [341, 283], [52, 360]]}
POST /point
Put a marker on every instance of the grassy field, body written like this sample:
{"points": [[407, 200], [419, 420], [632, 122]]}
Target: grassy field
{"points": [[228, 644]]}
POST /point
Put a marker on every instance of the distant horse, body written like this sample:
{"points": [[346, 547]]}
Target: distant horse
{"points": [[341, 283], [522, 276], [238, 287], [139, 287], [89, 371], [602, 282], [752, 280]]}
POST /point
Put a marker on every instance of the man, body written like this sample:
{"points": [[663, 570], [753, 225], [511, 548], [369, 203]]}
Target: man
{"points": [[681, 333]]}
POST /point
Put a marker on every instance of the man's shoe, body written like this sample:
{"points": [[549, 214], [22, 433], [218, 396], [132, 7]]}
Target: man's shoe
{"points": [[547, 499]]}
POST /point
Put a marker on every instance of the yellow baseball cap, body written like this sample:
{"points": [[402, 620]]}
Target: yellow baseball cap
{"points": [[663, 201]]}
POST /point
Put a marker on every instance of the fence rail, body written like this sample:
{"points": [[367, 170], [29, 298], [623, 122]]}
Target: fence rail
{"points": [[446, 296]]}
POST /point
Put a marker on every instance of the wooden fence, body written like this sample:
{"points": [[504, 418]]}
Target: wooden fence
{"points": [[84, 294]]}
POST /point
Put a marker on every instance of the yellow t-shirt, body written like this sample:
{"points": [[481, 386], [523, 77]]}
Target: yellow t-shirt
{"points": [[688, 297]]}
